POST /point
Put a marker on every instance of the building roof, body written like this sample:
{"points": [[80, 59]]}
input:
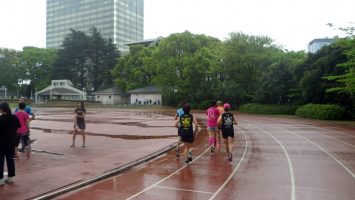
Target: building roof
{"points": [[147, 42], [110, 91], [331, 40], [58, 91], [146, 90]]}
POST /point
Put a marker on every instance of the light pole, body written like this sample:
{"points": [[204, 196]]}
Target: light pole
{"points": [[4, 88]]}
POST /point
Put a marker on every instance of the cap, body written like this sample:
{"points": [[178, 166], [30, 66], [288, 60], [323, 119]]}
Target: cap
{"points": [[226, 106]]}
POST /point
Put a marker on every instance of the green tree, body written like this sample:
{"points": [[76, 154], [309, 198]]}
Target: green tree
{"points": [[9, 67]]}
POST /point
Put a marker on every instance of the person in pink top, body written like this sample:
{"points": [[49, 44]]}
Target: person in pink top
{"points": [[23, 132], [212, 127]]}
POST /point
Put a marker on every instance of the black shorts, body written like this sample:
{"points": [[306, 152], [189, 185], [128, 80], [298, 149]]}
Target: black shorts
{"points": [[226, 134], [80, 124], [187, 137]]}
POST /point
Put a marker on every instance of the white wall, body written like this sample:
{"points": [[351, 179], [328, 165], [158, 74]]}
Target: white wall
{"points": [[142, 97], [115, 99]]}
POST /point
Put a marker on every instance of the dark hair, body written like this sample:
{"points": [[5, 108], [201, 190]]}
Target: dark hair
{"points": [[183, 103], [5, 107], [21, 106], [82, 105], [227, 109], [186, 108], [213, 103]]}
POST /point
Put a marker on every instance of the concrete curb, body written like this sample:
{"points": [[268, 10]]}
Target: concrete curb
{"points": [[113, 172]]}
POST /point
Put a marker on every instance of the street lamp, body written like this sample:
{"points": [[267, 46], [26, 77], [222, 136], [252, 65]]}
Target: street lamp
{"points": [[4, 88]]}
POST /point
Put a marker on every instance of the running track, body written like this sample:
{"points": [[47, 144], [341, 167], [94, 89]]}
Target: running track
{"points": [[274, 158]]}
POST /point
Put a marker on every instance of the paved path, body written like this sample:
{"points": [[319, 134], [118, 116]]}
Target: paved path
{"points": [[274, 158], [111, 135]]}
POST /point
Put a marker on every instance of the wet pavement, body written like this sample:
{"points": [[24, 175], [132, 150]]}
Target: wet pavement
{"points": [[274, 158], [115, 138]]}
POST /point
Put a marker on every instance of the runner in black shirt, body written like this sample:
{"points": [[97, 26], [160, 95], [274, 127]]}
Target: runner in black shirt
{"points": [[226, 122]]}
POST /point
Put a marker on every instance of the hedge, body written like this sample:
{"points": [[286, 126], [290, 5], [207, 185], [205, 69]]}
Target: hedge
{"points": [[321, 111], [268, 109]]}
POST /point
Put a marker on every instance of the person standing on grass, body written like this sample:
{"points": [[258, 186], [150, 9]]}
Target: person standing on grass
{"points": [[23, 132], [221, 111], [186, 130], [226, 121], [8, 128], [79, 122], [179, 113], [212, 127]]}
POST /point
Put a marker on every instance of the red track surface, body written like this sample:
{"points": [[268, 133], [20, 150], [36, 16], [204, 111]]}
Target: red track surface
{"points": [[274, 158]]}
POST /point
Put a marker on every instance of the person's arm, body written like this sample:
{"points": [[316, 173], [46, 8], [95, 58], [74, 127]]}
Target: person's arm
{"points": [[176, 116], [219, 121], [235, 121], [176, 124], [28, 125], [197, 126]]}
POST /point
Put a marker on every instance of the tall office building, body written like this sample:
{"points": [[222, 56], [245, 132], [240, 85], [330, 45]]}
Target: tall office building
{"points": [[316, 44], [121, 20]]}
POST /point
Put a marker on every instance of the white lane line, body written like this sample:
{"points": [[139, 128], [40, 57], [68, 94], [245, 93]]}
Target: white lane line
{"points": [[186, 190], [293, 185], [162, 180], [321, 148], [235, 169], [350, 145]]}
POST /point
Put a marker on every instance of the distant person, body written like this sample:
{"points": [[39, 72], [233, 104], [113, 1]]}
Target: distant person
{"points": [[28, 108], [8, 128], [186, 131], [23, 132], [29, 111], [226, 121], [178, 114], [221, 111], [79, 122], [212, 127]]}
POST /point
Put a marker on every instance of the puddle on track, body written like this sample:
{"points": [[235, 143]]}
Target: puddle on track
{"points": [[125, 137]]}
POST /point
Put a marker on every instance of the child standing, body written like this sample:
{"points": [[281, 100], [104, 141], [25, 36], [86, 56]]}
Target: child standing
{"points": [[226, 121], [212, 128], [24, 131], [186, 132], [79, 122]]}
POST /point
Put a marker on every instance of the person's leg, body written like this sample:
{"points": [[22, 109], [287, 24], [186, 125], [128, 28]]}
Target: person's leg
{"points": [[211, 140], [226, 142], [187, 147], [74, 135], [84, 138], [178, 147], [10, 165], [230, 143], [26, 142], [2, 166]]}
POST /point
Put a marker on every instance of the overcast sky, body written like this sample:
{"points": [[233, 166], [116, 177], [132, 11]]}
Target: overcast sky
{"points": [[292, 23]]}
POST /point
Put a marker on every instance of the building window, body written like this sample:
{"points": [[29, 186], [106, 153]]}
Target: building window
{"points": [[109, 97], [98, 97]]}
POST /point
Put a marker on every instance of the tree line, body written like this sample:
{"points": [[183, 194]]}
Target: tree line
{"points": [[241, 69], [85, 59]]}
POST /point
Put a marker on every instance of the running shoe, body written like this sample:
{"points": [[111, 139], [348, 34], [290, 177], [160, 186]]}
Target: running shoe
{"points": [[189, 155], [10, 180], [213, 149], [187, 161], [230, 157], [177, 154]]}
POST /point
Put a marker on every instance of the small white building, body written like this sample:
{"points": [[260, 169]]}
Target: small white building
{"points": [[146, 95], [60, 90], [111, 96], [316, 44]]}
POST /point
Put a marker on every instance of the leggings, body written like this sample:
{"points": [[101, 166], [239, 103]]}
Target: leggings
{"points": [[9, 155]]}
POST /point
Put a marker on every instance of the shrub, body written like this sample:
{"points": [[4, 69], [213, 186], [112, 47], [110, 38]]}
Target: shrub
{"points": [[321, 111], [269, 109]]}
